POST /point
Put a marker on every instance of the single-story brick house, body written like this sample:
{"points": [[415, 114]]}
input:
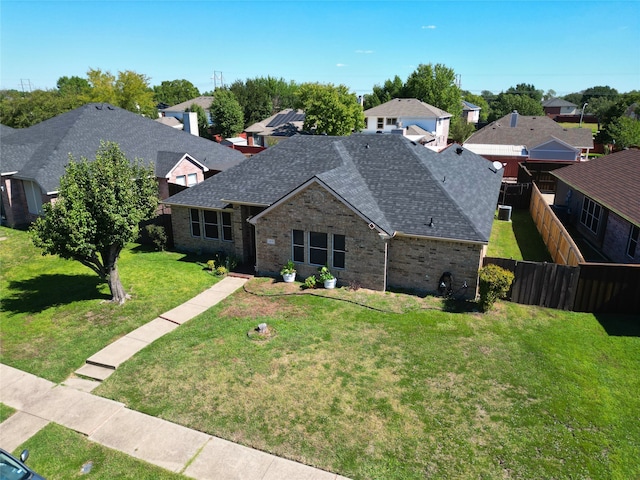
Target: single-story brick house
{"points": [[601, 198], [34, 159], [379, 210]]}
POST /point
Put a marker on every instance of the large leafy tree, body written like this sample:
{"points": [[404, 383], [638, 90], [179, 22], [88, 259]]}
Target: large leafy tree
{"points": [[381, 94], [73, 86], [508, 102], [99, 208], [261, 97], [129, 90], [625, 132], [526, 89], [21, 110], [172, 92], [329, 109], [435, 85], [478, 101], [226, 114]]}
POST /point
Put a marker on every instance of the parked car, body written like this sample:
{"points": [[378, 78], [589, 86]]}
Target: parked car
{"points": [[12, 468]]}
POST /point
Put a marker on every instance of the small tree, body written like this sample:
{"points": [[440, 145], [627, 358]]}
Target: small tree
{"points": [[329, 109], [226, 113], [97, 212]]}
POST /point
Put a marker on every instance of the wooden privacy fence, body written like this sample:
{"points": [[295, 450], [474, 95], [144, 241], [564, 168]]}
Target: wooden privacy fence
{"points": [[587, 287], [544, 284], [561, 246]]}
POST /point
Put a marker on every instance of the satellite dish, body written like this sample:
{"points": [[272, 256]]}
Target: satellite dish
{"points": [[497, 165]]}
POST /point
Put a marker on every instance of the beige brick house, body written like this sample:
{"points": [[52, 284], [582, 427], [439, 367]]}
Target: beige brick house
{"points": [[379, 210]]}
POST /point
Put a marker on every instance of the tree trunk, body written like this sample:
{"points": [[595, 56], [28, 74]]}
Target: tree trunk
{"points": [[110, 259], [118, 295]]}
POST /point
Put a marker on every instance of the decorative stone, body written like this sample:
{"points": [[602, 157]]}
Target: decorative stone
{"points": [[262, 327]]}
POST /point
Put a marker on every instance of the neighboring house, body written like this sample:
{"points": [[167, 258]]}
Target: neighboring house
{"points": [[172, 122], [178, 111], [400, 114], [515, 139], [283, 124], [557, 106], [379, 210], [33, 159], [601, 198], [470, 112]]}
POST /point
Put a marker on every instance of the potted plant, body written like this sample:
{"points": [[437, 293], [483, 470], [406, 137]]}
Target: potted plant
{"points": [[288, 272], [327, 277]]}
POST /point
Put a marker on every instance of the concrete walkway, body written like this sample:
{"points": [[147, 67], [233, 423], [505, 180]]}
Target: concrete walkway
{"points": [[168, 445]]}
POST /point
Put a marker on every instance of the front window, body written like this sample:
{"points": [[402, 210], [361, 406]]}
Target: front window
{"points": [[34, 197], [392, 121], [317, 248], [339, 251], [380, 122], [297, 241], [591, 212], [192, 179], [211, 224], [195, 222], [226, 226], [634, 238]]}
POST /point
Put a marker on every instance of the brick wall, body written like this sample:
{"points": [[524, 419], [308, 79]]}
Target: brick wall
{"points": [[418, 263], [315, 209], [616, 240], [184, 241]]}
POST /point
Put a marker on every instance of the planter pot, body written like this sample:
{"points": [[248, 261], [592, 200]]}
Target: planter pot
{"points": [[330, 283], [289, 277]]}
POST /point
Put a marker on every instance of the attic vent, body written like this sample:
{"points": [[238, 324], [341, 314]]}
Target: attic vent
{"points": [[366, 146], [459, 150], [372, 226]]}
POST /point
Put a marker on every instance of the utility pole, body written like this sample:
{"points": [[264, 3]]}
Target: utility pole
{"points": [[28, 82], [458, 80], [217, 77]]}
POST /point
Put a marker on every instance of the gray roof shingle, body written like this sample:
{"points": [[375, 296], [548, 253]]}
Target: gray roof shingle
{"points": [[396, 184], [406, 107], [41, 152], [530, 131]]}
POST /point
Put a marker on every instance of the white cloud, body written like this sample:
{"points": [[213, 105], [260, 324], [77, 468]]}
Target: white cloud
{"points": [[341, 65], [428, 27], [366, 52]]}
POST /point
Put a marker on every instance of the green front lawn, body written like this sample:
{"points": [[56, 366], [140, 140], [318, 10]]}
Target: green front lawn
{"points": [[521, 392], [58, 453], [55, 313]]}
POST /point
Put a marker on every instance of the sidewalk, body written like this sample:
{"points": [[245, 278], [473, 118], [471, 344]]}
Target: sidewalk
{"points": [[168, 445]]}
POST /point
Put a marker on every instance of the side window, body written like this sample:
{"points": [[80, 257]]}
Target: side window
{"points": [[380, 123], [297, 245], [226, 227], [195, 222], [181, 180], [339, 251], [634, 238], [591, 212], [192, 179]]}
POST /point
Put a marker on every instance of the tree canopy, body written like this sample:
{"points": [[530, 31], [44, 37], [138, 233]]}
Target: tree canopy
{"points": [[99, 208], [435, 85], [226, 114], [329, 109], [173, 92], [262, 97], [508, 102]]}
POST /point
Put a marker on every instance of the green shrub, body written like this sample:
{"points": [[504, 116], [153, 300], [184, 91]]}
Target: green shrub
{"points": [[494, 283], [221, 271], [310, 282], [157, 235]]}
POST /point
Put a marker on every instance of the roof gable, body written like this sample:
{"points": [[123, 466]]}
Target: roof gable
{"points": [[204, 101]]}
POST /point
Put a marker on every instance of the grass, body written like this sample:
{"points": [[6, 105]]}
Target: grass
{"points": [[55, 313], [370, 385], [521, 392], [5, 412], [59, 453], [592, 126], [518, 239]]}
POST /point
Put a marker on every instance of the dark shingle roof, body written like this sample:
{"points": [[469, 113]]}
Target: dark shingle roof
{"points": [[612, 181], [530, 131], [557, 102], [204, 101], [393, 182], [41, 152]]}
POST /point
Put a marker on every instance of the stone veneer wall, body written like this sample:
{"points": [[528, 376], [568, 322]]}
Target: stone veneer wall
{"points": [[184, 241], [315, 209], [417, 263]]}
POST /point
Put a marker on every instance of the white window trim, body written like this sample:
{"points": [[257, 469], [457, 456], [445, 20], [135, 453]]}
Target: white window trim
{"points": [[191, 176], [306, 245], [220, 225]]}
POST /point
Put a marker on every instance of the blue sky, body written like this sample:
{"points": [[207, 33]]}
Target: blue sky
{"points": [[566, 46]]}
